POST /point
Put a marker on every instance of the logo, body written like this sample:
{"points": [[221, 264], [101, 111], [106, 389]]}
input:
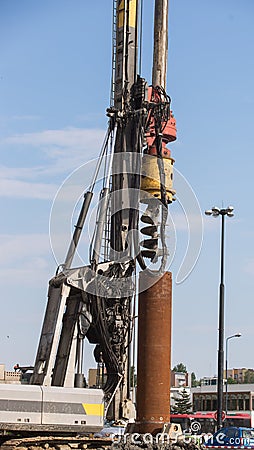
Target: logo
{"points": [[220, 437], [195, 426]]}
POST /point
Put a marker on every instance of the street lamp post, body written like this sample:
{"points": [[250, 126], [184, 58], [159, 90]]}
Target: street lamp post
{"points": [[215, 212], [237, 335]]}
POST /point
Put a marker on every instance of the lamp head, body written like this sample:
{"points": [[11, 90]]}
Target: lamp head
{"points": [[215, 211]]}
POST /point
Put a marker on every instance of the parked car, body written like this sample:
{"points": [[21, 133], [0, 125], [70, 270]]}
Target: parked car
{"points": [[112, 430]]}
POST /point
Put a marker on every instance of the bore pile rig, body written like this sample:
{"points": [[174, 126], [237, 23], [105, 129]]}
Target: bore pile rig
{"points": [[97, 301]]}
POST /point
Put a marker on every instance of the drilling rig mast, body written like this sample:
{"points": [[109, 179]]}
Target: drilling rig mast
{"points": [[96, 301]]}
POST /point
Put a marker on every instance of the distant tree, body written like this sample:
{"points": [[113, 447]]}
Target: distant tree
{"points": [[249, 376], [194, 381], [183, 404], [180, 368], [231, 380]]}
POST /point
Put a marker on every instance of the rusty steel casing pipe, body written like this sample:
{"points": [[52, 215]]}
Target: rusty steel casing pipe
{"points": [[154, 353]]}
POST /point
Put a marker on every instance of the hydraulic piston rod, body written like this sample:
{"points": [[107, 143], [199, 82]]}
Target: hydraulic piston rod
{"points": [[160, 46]]}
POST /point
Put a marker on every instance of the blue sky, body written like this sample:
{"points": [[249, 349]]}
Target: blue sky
{"points": [[55, 70]]}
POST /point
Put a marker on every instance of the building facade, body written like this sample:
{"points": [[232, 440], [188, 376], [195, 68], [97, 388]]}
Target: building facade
{"points": [[238, 375], [180, 379], [8, 377], [240, 398]]}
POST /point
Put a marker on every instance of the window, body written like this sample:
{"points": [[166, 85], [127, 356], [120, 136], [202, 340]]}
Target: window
{"points": [[202, 402], [247, 402], [232, 432], [197, 403], [248, 434], [208, 403], [233, 402], [240, 403], [214, 403]]}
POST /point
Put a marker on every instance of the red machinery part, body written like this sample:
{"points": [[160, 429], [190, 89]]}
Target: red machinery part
{"points": [[169, 126]]}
